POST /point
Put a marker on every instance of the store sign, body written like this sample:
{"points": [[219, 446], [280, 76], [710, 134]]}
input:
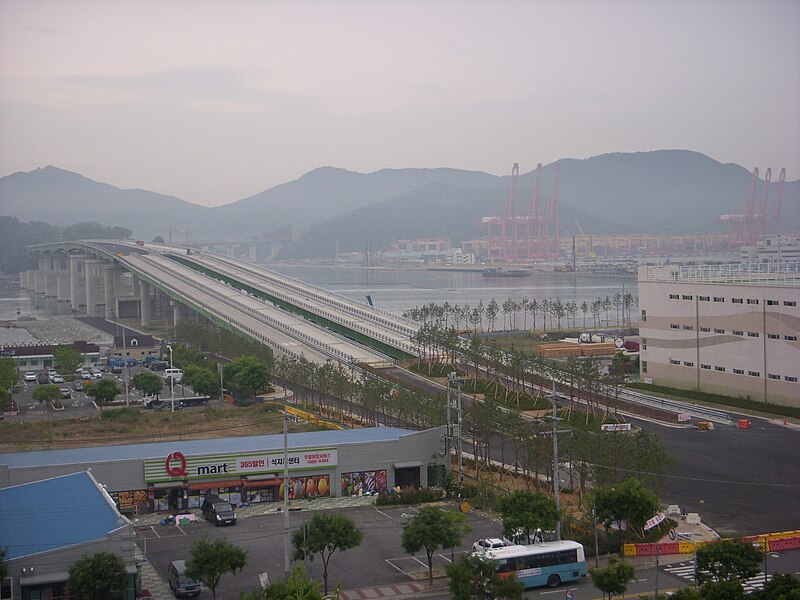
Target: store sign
{"points": [[177, 466]]}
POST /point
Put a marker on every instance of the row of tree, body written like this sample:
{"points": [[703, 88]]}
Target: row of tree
{"points": [[515, 313]]}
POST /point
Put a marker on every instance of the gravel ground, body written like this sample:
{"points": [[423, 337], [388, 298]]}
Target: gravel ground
{"points": [[65, 330]]}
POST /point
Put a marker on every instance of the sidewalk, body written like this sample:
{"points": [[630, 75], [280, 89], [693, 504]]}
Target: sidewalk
{"points": [[268, 508]]}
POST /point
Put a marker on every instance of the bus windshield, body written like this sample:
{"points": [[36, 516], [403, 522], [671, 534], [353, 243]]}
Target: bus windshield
{"points": [[535, 565]]}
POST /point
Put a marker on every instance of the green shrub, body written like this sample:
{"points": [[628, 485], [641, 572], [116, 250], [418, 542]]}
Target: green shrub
{"points": [[411, 497]]}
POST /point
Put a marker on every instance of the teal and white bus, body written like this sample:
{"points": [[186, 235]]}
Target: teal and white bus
{"points": [[547, 564]]}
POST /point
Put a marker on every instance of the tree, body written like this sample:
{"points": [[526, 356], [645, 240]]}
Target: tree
{"points": [[431, 528], [524, 512], [324, 534], [148, 383], [628, 502], [96, 576], [782, 586], [298, 587], [103, 390], [46, 393], [613, 580], [8, 378], [474, 578], [67, 359], [202, 381], [726, 560], [246, 375], [213, 559]]}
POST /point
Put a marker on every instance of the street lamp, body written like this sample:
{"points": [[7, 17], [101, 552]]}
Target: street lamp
{"points": [[171, 380]]}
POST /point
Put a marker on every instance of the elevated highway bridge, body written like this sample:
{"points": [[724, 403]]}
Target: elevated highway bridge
{"points": [[157, 282]]}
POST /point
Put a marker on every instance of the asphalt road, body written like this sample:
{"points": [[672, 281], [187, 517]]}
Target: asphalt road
{"points": [[740, 481]]}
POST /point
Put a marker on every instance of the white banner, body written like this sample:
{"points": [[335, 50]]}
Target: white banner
{"points": [[654, 521], [615, 426]]}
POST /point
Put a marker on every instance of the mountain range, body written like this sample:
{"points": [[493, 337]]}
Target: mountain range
{"points": [[677, 191]]}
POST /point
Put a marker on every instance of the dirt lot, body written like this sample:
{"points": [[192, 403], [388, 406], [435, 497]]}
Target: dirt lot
{"points": [[138, 426]]}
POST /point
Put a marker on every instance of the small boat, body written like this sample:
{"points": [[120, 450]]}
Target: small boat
{"points": [[498, 272]]}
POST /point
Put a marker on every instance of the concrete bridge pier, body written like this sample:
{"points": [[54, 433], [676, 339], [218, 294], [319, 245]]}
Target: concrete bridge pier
{"points": [[145, 310], [77, 282], [93, 272], [178, 311], [111, 289]]}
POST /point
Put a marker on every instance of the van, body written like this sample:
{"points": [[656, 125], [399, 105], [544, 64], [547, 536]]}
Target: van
{"points": [[179, 583], [175, 374], [218, 511]]}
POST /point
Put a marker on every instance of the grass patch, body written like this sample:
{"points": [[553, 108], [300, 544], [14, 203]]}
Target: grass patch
{"points": [[719, 400]]}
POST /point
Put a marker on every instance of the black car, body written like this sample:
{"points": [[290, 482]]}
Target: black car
{"points": [[218, 511]]}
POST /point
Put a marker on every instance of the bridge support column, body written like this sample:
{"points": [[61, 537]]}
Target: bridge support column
{"points": [[93, 274], [77, 283], [62, 287], [144, 301], [23, 279], [111, 285], [178, 312]]}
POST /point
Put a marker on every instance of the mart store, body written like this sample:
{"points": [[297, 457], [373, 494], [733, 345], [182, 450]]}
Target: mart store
{"points": [[168, 476]]}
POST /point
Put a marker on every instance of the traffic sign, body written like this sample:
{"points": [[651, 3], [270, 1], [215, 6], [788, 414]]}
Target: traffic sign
{"points": [[672, 534]]}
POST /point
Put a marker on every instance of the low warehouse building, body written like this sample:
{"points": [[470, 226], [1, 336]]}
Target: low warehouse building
{"points": [[169, 476]]}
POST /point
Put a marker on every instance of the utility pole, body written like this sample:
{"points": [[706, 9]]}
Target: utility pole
{"points": [[286, 565], [454, 422], [556, 475]]}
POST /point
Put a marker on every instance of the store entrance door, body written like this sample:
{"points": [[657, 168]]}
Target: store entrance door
{"points": [[407, 477]]}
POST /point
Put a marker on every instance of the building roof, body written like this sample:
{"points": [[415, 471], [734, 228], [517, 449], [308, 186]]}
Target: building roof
{"points": [[69, 456], [55, 513]]}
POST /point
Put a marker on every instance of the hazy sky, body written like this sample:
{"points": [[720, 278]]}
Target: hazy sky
{"points": [[216, 101]]}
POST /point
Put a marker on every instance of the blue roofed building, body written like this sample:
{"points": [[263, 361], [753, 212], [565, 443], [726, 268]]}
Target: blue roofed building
{"points": [[48, 525]]}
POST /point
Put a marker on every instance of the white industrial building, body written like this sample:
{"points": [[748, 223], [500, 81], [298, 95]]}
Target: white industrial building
{"points": [[724, 329]]}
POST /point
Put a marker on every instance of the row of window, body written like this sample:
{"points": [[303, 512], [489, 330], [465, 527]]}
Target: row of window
{"points": [[707, 367], [733, 300], [754, 334]]}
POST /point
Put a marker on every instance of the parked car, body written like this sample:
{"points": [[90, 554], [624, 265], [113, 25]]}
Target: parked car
{"points": [[97, 373], [66, 393], [42, 378], [218, 511], [179, 583], [175, 374], [55, 377], [30, 377], [158, 365], [86, 375], [77, 385], [488, 544]]}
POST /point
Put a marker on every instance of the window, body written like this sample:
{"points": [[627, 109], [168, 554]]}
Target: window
{"points": [[687, 296], [737, 301], [722, 369], [644, 315], [790, 338], [789, 303], [792, 379], [754, 373], [674, 326], [772, 303], [737, 332], [674, 362], [771, 376], [644, 343], [773, 336], [706, 367], [689, 327], [752, 334], [738, 371], [719, 299], [686, 363], [705, 329], [752, 300], [717, 330], [644, 366], [674, 296], [704, 298]]}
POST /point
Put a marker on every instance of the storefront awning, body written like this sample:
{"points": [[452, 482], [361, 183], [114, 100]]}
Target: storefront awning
{"points": [[204, 485], [261, 483], [407, 465]]}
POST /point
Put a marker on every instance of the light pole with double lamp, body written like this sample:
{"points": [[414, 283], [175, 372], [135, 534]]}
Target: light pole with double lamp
{"points": [[171, 380]]}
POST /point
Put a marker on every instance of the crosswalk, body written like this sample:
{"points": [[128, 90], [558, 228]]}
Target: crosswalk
{"points": [[685, 570]]}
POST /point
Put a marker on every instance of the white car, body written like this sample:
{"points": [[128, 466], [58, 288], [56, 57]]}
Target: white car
{"points": [[56, 378], [488, 544], [30, 376]]}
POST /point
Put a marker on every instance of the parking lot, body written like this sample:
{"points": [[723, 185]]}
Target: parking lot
{"points": [[379, 560]]}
